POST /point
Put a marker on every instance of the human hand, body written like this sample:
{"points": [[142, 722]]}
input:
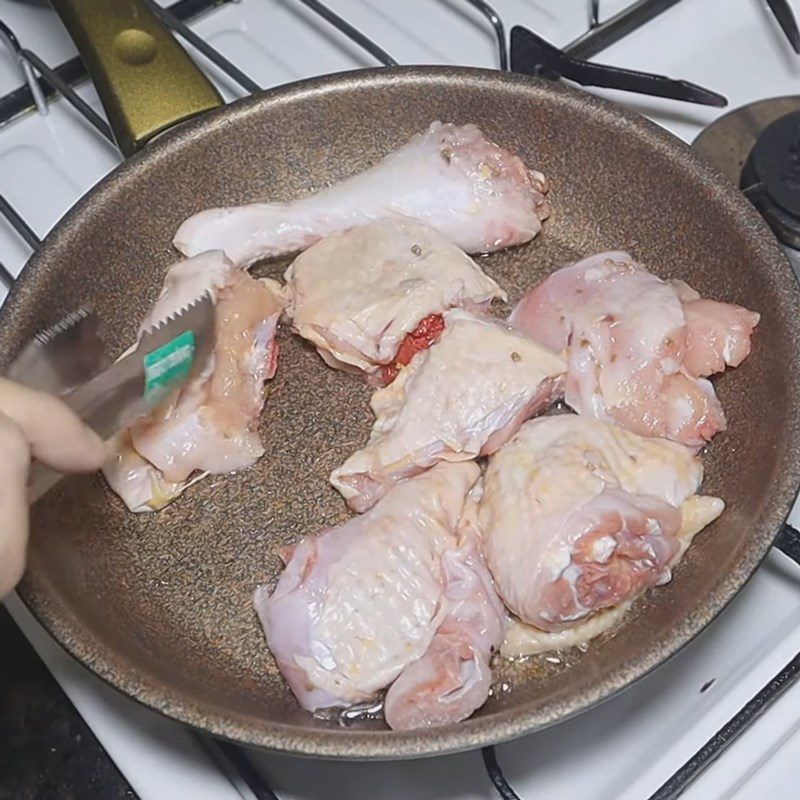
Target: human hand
{"points": [[34, 425]]}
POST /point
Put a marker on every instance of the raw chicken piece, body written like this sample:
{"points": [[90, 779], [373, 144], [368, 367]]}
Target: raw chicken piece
{"points": [[454, 676], [478, 195], [526, 640], [359, 603], [207, 426], [463, 397], [140, 485], [363, 295], [638, 347], [580, 516], [717, 336]]}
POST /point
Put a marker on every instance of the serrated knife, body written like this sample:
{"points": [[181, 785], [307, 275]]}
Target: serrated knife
{"points": [[164, 358]]}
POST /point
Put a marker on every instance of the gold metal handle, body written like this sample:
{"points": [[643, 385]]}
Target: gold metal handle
{"points": [[146, 81]]}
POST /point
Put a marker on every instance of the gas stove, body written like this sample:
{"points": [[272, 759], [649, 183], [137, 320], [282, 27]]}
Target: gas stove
{"points": [[719, 720]]}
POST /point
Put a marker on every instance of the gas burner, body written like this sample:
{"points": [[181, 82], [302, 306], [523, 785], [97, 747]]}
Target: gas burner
{"points": [[729, 140], [757, 147], [771, 177]]}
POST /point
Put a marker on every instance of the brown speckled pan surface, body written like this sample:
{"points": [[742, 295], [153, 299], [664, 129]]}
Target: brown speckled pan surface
{"points": [[159, 605]]}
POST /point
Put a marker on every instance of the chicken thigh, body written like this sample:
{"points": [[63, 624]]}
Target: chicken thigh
{"points": [[359, 604], [463, 397], [208, 426], [367, 296], [638, 348], [454, 676], [579, 516], [478, 195]]}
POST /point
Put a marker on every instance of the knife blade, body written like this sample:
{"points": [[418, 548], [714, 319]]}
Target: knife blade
{"points": [[165, 357], [61, 357]]}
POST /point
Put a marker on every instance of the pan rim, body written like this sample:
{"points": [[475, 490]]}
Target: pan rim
{"points": [[60, 621]]}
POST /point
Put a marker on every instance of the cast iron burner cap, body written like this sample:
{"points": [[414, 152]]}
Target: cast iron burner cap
{"points": [[771, 177]]}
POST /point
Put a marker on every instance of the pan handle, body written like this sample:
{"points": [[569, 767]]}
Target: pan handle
{"points": [[146, 81]]}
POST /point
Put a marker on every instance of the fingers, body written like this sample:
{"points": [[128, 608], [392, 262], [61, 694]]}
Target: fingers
{"points": [[14, 461], [34, 424], [54, 433]]}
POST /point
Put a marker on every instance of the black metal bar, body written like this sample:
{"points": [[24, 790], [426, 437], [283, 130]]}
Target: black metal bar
{"points": [[350, 32], [201, 45], [786, 19], [606, 33], [496, 776], [30, 79], [6, 277], [19, 224], [70, 95], [533, 55], [788, 542], [20, 101], [235, 757], [499, 30], [594, 13], [73, 72]]}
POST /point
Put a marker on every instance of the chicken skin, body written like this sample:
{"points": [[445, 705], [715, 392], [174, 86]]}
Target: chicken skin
{"points": [[579, 516], [639, 348], [209, 425], [365, 297], [463, 397], [451, 177], [399, 593]]}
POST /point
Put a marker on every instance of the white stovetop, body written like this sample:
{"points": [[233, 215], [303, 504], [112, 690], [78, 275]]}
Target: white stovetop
{"points": [[623, 750]]}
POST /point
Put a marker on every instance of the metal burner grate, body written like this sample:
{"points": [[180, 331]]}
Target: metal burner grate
{"points": [[528, 53]]}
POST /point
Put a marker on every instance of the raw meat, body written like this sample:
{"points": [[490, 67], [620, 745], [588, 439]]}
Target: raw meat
{"points": [[208, 426], [478, 195], [579, 516], [638, 348], [463, 397], [526, 640], [454, 676], [372, 296], [358, 604]]}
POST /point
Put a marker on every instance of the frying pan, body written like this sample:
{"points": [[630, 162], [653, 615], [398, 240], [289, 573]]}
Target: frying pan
{"points": [[160, 605]]}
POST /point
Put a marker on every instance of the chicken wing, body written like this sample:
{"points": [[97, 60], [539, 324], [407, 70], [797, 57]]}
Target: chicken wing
{"points": [[366, 297], [638, 348], [463, 397], [478, 195], [358, 604], [208, 426], [580, 516]]}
